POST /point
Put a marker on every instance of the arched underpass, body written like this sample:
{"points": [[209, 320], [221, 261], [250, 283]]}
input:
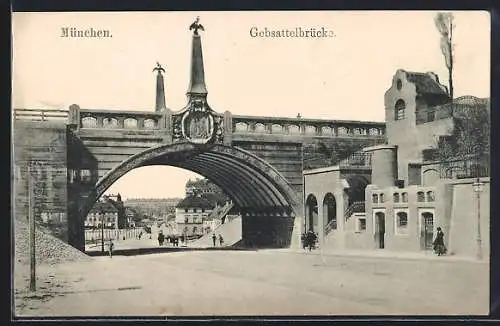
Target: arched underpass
{"points": [[266, 200]]}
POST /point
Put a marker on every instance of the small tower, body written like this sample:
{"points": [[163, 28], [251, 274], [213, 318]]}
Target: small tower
{"points": [[160, 90]]}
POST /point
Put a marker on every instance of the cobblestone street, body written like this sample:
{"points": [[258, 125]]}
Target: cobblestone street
{"points": [[265, 282]]}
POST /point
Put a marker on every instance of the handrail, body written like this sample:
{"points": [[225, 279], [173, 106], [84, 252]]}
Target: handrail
{"points": [[355, 207], [40, 114]]}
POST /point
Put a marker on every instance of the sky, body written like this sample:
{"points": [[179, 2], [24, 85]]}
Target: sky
{"points": [[342, 77]]}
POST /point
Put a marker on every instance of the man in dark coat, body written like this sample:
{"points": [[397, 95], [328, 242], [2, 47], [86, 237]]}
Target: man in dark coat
{"points": [[214, 238]]}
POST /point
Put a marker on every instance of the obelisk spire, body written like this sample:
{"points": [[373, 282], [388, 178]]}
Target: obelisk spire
{"points": [[197, 85], [160, 90]]}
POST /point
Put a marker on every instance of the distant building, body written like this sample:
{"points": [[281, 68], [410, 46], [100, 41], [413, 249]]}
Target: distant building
{"points": [[111, 210], [102, 212], [191, 213]]}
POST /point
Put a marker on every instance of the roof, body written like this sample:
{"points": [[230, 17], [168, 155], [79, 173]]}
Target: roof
{"points": [[426, 83], [195, 202], [103, 207]]}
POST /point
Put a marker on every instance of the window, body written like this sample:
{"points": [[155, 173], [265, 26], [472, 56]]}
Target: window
{"points": [[194, 210], [185, 210], [72, 175], [404, 197], [375, 198], [401, 223], [420, 196], [186, 220], [203, 210], [382, 198], [430, 196], [399, 84], [195, 230], [399, 110], [361, 224], [396, 197], [85, 175]]}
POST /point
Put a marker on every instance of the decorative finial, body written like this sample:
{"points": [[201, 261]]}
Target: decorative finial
{"points": [[158, 67], [196, 26]]}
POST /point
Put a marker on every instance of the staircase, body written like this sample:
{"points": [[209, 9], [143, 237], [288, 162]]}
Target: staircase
{"points": [[355, 207], [231, 233], [220, 212]]}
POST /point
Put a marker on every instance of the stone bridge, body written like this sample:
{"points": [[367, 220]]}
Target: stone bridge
{"points": [[258, 161], [77, 154]]}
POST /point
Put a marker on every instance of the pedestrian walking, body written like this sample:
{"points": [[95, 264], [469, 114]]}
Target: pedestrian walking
{"points": [[161, 239], [439, 247], [214, 238], [110, 248], [221, 240]]}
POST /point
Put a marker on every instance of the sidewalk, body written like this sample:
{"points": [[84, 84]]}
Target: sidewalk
{"points": [[387, 254]]}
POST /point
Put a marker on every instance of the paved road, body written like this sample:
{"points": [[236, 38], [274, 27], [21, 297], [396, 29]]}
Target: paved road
{"points": [[262, 282]]}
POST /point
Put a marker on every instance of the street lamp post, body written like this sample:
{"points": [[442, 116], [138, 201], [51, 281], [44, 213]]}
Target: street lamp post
{"points": [[478, 188], [102, 232]]}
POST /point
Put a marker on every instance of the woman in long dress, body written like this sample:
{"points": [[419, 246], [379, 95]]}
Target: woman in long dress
{"points": [[439, 247]]}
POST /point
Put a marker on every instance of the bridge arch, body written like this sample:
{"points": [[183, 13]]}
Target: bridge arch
{"points": [[252, 183]]}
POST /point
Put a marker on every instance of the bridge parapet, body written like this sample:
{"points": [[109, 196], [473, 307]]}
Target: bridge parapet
{"points": [[40, 114], [111, 119], [306, 127]]}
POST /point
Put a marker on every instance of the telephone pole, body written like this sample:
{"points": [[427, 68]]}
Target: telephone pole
{"points": [[31, 217]]}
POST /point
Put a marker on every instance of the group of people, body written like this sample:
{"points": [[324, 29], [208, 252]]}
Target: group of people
{"points": [[309, 240], [214, 239]]}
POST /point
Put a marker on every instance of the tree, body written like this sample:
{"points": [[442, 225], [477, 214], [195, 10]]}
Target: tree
{"points": [[444, 24], [469, 140]]}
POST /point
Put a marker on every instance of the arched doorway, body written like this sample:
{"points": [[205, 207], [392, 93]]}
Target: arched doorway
{"points": [[379, 228], [330, 212], [426, 230], [311, 214]]}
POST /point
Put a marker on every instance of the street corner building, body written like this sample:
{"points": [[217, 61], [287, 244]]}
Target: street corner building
{"points": [[432, 171]]}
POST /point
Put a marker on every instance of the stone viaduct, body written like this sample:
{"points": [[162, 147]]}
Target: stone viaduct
{"points": [[76, 154]]}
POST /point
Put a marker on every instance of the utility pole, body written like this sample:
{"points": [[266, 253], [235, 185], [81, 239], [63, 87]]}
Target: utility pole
{"points": [[102, 232], [31, 217]]}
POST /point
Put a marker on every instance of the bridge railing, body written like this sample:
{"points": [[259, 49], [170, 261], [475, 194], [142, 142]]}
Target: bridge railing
{"points": [[40, 114], [110, 119], [311, 127]]}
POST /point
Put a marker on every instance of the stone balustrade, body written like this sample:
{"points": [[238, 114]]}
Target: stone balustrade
{"points": [[306, 127], [109, 119]]}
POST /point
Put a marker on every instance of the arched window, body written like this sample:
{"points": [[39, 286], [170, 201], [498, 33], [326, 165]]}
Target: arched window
{"points": [[430, 195], [195, 230], [395, 197], [401, 223], [375, 198], [382, 199], [420, 196], [399, 110], [404, 197]]}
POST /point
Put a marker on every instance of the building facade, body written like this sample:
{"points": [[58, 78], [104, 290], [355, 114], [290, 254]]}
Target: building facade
{"points": [[402, 193], [191, 215]]}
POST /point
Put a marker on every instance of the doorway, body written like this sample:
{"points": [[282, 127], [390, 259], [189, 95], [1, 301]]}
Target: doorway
{"points": [[380, 230], [427, 230]]}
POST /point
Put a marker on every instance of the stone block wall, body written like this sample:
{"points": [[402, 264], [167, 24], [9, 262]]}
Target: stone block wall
{"points": [[44, 143]]}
